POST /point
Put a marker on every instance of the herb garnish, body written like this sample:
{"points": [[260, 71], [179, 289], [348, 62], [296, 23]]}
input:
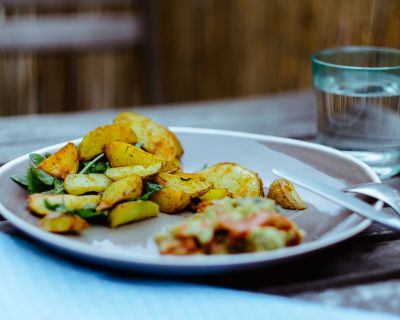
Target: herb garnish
{"points": [[58, 188], [88, 211], [37, 180], [149, 189], [96, 165], [36, 158]]}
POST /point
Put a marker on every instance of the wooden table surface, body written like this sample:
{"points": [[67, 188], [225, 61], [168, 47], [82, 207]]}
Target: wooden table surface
{"points": [[363, 272]]}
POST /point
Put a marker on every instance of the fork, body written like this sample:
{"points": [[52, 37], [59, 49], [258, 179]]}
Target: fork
{"points": [[379, 191]]}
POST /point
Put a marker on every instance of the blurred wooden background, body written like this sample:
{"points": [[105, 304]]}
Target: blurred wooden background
{"points": [[207, 49]]}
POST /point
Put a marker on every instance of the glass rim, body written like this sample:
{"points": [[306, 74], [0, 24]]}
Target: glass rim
{"points": [[315, 58]]}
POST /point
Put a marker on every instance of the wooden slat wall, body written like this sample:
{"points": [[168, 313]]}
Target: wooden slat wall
{"points": [[209, 49]]}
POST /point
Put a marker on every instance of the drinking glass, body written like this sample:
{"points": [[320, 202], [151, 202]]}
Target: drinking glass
{"points": [[358, 104]]}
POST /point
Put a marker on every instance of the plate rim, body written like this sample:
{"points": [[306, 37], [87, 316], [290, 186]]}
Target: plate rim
{"points": [[159, 261]]}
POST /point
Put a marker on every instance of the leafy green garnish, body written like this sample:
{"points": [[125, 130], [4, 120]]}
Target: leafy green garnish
{"points": [[37, 180], [58, 188], [53, 206], [148, 189], [139, 145], [87, 212], [96, 165], [36, 158], [42, 176], [21, 179]]}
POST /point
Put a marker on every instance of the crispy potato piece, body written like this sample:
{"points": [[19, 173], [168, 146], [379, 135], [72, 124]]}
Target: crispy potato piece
{"points": [[62, 163], [191, 186], [121, 154], [132, 211], [171, 166], [216, 194], [156, 139], [93, 143], [196, 176], [171, 200], [144, 172], [284, 194], [36, 201], [207, 199], [240, 181], [63, 222], [78, 184], [126, 188]]}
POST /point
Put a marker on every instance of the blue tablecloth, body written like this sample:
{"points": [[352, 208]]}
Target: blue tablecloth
{"points": [[35, 284]]}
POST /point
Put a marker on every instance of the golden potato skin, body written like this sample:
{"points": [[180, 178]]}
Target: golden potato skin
{"points": [[78, 184], [93, 143], [156, 138], [132, 211], [207, 199], [121, 154], [216, 194], [284, 194], [144, 172], [62, 223], [188, 185], [126, 188], [187, 175], [171, 166], [240, 181], [62, 163], [36, 201], [129, 117], [171, 200]]}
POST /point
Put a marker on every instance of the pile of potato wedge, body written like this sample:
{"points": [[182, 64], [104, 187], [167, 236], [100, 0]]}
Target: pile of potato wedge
{"points": [[130, 170]]}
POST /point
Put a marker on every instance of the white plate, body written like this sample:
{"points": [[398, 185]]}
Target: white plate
{"points": [[131, 246]]}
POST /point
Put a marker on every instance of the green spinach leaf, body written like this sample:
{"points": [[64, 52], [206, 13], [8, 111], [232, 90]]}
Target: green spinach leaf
{"points": [[37, 180], [87, 212], [36, 158], [148, 189], [35, 185], [96, 165], [57, 207], [42, 176], [58, 188], [21, 179]]}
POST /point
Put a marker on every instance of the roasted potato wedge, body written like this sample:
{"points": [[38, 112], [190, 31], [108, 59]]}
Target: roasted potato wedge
{"points": [[132, 211], [93, 143], [171, 200], [62, 163], [207, 199], [284, 194], [191, 186], [126, 188], [187, 175], [63, 222], [156, 139], [171, 166], [121, 154], [240, 181], [144, 172], [78, 184], [36, 202], [216, 194]]}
